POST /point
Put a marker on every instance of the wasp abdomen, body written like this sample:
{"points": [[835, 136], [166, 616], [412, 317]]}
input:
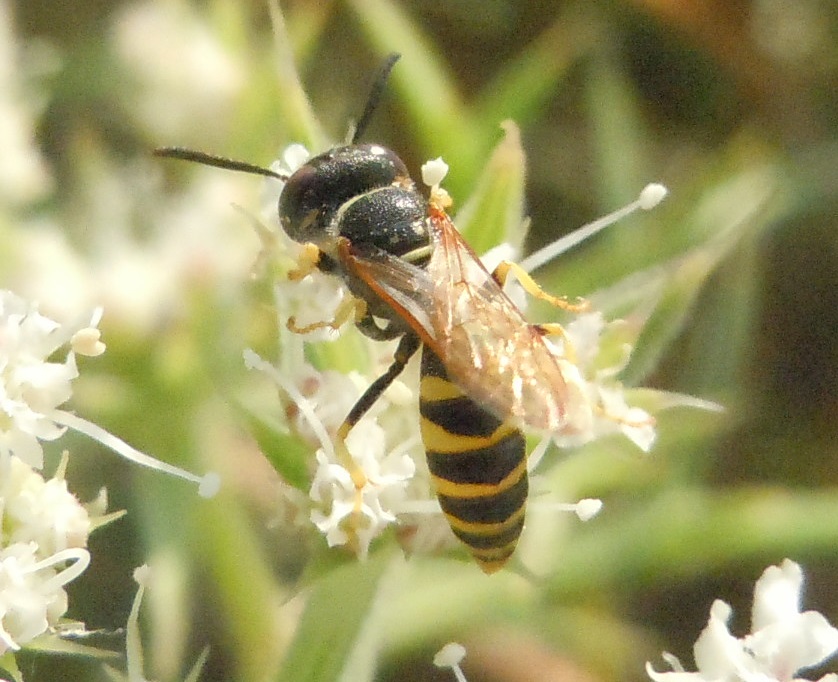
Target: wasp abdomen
{"points": [[478, 466]]}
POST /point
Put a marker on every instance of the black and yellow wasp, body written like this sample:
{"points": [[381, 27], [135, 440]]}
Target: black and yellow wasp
{"points": [[485, 371]]}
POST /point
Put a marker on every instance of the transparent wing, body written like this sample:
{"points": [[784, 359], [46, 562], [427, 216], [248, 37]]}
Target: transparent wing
{"points": [[493, 353], [407, 289], [461, 312]]}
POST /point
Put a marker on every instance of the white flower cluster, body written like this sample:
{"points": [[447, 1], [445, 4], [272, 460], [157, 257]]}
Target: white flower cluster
{"points": [[381, 474], [345, 513], [782, 640], [597, 405], [33, 387], [42, 528]]}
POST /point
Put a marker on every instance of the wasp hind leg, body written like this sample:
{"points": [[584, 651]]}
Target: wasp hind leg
{"points": [[408, 345], [504, 268]]}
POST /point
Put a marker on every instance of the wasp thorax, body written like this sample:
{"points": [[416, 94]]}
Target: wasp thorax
{"points": [[314, 195]]}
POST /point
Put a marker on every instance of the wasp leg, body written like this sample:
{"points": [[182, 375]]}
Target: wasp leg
{"points": [[350, 308], [306, 262], [408, 345], [369, 327], [555, 329], [501, 273]]}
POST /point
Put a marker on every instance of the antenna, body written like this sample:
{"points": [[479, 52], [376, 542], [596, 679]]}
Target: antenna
{"points": [[218, 161], [374, 98]]}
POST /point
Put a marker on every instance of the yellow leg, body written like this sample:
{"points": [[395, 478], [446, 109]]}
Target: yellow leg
{"points": [[350, 308], [502, 271], [306, 263], [555, 329]]}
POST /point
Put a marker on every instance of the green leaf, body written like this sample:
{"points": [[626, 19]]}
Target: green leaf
{"points": [[336, 638], [195, 671], [688, 532], [51, 643], [522, 89], [494, 213], [618, 133], [294, 105], [437, 115], [658, 301], [8, 666], [288, 455]]}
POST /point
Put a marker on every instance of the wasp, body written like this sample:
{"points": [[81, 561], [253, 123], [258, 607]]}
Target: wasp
{"points": [[486, 373]]}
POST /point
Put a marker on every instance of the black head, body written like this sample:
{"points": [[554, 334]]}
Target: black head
{"points": [[314, 194]]}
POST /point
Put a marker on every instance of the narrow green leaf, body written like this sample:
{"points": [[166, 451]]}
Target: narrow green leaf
{"points": [[294, 106], [437, 115], [679, 286], [336, 638], [526, 83], [8, 666], [617, 133], [689, 532], [658, 301], [195, 671], [494, 213], [288, 455], [52, 643]]}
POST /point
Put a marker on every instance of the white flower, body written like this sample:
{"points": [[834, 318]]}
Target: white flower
{"points": [[293, 157], [596, 400], [184, 77], [782, 641], [33, 387], [23, 176], [348, 514], [32, 596], [43, 527], [39, 511]]}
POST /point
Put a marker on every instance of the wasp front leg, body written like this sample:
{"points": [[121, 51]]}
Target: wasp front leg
{"points": [[349, 309], [307, 262]]}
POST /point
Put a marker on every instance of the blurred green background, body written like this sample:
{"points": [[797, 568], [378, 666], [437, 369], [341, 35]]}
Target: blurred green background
{"points": [[730, 104]]}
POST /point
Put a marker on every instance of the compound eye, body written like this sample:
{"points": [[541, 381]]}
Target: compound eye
{"points": [[300, 205]]}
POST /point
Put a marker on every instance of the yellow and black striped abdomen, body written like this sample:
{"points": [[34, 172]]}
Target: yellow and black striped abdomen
{"points": [[478, 466]]}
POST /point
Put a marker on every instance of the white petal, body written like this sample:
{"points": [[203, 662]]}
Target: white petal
{"points": [[777, 595], [677, 676], [795, 644], [718, 654]]}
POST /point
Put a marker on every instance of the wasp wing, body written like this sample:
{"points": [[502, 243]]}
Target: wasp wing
{"points": [[460, 311], [405, 288], [485, 342]]}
